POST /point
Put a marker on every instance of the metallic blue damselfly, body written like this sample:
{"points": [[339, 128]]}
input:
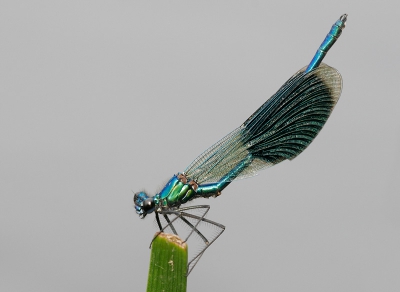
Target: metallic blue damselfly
{"points": [[280, 129]]}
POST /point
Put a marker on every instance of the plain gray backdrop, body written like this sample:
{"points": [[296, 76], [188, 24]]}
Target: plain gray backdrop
{"points": [[99, 99]]}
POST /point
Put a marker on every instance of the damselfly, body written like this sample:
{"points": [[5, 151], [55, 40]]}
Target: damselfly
{"points": [[280, 129]]}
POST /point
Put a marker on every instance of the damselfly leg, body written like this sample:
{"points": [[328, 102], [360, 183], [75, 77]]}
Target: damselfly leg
{"points": [[188, 222]]}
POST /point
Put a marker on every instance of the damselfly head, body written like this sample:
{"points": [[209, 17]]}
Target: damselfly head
{"points": [[143, 204]]}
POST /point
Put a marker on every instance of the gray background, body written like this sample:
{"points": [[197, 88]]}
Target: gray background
{"points": [[102, 98]]}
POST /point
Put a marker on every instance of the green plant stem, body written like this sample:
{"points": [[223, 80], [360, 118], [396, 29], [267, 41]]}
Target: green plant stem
{"points": [[168, 264]]}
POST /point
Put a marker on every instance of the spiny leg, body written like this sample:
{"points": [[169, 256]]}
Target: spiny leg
{"points": [[199, 219], [195, 229], [181, 214], [170, 223], [158, 221], [194, 261], [178, 214]]}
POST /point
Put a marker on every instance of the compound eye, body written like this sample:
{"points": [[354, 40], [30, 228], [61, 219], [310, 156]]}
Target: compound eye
{"points": [[140, 197], [148, 204]]}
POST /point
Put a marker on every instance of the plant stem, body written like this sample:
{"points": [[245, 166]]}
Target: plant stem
{"points": [[168, 264]]}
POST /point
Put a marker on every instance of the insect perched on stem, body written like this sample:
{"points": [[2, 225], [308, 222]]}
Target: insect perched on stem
{"points": [[280, 129]]}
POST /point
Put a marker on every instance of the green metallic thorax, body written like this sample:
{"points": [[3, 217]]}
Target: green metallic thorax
{"points": [[176, 192]]}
